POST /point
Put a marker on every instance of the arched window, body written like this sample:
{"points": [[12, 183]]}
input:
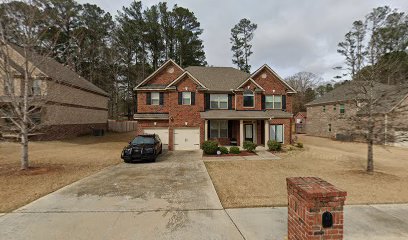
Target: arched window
{"points": [[248, 98]]}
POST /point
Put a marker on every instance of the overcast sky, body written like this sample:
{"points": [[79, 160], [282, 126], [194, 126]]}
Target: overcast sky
{"points": [[292, 35]]}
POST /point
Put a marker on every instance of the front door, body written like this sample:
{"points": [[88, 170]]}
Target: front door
{"points": [[249, 132]]}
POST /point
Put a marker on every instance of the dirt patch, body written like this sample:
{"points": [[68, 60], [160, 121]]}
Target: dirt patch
{"points": [[54, 164], [261, 183]]}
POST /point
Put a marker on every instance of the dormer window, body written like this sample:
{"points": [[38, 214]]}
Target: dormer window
{"points": [[249, 98]]}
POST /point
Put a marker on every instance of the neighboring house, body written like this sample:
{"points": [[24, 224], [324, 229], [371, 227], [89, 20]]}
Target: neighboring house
{"points": [[69, 104], [189, 106], [300, 122], [391, 111], [334, 114]]}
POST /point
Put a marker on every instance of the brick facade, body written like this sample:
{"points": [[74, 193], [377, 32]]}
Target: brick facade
{"points": [[181, 116], [309, 198]]}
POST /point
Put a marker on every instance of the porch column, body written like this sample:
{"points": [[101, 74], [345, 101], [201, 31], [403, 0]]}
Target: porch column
{"points": [[255, 132], [266, 133], [241, 133], [206, 130]]}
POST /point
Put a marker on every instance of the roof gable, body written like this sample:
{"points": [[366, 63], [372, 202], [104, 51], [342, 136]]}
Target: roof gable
{"points": [[267, 68], [49, 67], [186, 73], [159, 70], [251, 80]]}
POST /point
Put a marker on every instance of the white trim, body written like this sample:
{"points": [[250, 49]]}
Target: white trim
{"points": [[157, 70], [252, 80], [181, 77], [274, 73], [273, 101], [211, 94]]}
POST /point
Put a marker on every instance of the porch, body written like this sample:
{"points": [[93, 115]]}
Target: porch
{"points": [[232, 127]]}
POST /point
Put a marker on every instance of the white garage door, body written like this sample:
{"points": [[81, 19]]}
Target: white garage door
{"points": [[186, 138], [162, 132]]}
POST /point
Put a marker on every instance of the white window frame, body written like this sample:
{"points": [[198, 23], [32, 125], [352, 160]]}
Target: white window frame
{"points": [[248, 94], [216, 125], [186, 98], [283, 131], [219, 98], [273, 101], [156, 97]]}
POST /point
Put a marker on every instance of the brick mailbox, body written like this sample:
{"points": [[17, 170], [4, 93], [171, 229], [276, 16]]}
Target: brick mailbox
{"points": [[315, 209]]}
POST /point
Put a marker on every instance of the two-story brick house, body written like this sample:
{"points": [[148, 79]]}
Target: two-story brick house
{"points": [[186, 107]]}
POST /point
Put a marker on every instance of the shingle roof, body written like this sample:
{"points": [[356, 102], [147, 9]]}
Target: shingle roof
{"points": [[348, 91], [233, 114], [58, 72], [389, 100], [218, 78]]}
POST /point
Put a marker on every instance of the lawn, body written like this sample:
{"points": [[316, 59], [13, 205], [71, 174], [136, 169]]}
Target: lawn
{"points": [[243, 183], [55, 164]]}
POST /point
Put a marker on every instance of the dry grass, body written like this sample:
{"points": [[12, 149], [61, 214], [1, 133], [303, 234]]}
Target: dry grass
{"points": [[55, 164], [263, 183]]}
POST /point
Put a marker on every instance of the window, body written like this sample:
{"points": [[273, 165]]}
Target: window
{"points": [[248, 98], [186, 98], [155, 98], [324, 108], [218, 129], [276, 133], [219, 101], [8, 87], [342, 109], [330, 127], [273, 102], [36, 87]]}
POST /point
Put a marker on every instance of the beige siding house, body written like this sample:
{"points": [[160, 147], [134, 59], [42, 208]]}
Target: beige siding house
{"points": [[69, 105], [335, 115]]}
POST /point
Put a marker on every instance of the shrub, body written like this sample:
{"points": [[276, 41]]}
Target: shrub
{"points": [[274, 145], [299, 145], [234, 150], [210, 147], [223, 150], [249, 146]]}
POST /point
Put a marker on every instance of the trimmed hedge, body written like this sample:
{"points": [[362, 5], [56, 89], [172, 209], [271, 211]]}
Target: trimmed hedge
{"points": [[223, 150], [274, 145], [210, 147], [249, 146], [234, 150]]}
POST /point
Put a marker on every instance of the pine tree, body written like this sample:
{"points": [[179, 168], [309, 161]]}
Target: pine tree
{"points": [[241, 36]]}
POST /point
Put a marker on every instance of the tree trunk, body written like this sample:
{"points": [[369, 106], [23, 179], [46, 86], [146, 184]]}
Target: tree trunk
{"points": [[24, 124], [370, 154], [24, 149]]}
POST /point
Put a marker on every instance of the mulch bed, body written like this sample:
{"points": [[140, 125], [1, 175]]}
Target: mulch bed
{"points": [[242, 153]]}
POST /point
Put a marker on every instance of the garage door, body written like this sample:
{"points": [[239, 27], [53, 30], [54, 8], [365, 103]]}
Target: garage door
{"points": [[162, 132], [186, 138]]}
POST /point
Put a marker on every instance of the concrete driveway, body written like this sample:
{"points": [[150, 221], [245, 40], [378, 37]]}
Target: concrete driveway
{"points": [[171, 199]]}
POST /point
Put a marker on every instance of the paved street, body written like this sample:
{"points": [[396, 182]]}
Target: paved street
{"points": [[171, 199]]}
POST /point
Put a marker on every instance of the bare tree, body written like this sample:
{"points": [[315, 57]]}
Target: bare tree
{"points": [[22, 97], [303, 83], [363, 48]]}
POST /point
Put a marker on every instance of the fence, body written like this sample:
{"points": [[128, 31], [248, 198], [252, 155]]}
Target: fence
{"points": [[121, 126]]}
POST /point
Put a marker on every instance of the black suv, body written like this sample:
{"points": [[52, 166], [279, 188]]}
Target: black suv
{"points": [[143, 147]]}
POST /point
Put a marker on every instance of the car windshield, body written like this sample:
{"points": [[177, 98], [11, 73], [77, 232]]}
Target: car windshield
{"points": [[143, 140]]}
